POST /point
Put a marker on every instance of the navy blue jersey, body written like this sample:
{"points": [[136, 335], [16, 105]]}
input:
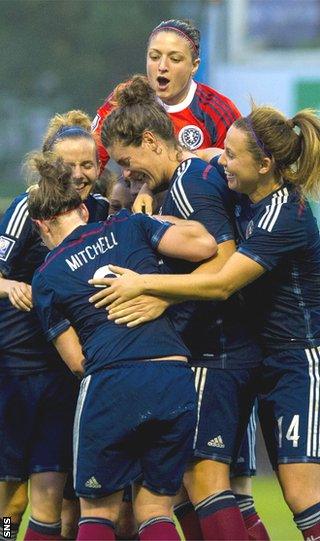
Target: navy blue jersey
{"points": [[22, 347], [215, 332], [126, 240], [281, 234]]}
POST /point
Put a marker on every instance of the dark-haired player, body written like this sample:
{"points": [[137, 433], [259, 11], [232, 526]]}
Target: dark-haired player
{"points": [[135, 415], [37, 444], [139, 136], [200, 115], [273, 162]]}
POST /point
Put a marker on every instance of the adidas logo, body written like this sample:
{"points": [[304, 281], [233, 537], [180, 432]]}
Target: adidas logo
{"points": [[92, 483], [312, 538], [216, 442]]}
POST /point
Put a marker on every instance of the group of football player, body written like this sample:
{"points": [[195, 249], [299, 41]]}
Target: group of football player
{"points": [[184, 320]]}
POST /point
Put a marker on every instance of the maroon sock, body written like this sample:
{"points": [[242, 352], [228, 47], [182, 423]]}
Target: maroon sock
{"points": [[256, 528], [41, 531], [312, 534], [158, 529], [308, 522], [189, 521], [99, 529], [220, 518]]}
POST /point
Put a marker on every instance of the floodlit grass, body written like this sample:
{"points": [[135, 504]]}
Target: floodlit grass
{"points": [[273, 510], [269, 504]]}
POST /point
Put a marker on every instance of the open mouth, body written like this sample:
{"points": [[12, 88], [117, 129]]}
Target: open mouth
{"points": [[162, 82]]}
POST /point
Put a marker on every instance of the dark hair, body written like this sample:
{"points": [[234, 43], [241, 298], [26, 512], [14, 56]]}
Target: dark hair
{"points": [[293, 144], [73, 124], [54, 194], [185, 29], [105, 182], [137, 111]]}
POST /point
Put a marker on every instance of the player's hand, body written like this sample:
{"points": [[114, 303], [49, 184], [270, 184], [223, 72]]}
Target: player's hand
{"points": [[20, 295], [117, 290], [137, 311], [144, 201]]}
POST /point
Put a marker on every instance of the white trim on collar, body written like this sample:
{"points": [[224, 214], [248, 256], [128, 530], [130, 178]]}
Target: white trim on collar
{"points": [[183, 104]]}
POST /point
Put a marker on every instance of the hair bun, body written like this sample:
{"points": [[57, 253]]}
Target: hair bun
{"points": [[53, 169], [134, 91], [291, 123]]}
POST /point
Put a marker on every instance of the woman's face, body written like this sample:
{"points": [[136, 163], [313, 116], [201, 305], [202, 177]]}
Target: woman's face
{"points": [[170, 67], [241, 169], [120, 197], [80, 153], [142, 159]]}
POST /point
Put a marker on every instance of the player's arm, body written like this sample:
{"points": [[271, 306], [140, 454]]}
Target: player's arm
{"points": [[261, 252], [70, 350], [238, 272], [15, 231], [148, 307], [18, 293], [187, 239], [210, 210], [144, 201], [56, 327]]}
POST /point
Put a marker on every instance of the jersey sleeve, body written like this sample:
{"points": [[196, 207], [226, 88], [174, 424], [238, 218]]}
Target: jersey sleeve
{"points": [[96, 128], [152, 228], [219, 113], [215, 163], [15, 231], [210, 205], [225, 120], [270, 242], [51, 318]]}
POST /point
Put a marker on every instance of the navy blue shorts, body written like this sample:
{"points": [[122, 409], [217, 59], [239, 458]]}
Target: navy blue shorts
{"points": [[134, 419], [225, 401], [245, 463], [289, 406], [36, 419]]}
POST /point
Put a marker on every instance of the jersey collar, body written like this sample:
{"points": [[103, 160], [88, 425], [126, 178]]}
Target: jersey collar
{"points": [[183, 104], [284, 189]]}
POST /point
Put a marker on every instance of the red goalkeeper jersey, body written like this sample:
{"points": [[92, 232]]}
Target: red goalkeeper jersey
{"points": [[201, 120]]}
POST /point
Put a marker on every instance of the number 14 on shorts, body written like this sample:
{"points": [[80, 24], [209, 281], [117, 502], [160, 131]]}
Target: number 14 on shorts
{"points": [[292, 432]]}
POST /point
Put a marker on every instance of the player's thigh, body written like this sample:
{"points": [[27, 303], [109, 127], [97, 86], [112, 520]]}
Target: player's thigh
{"points": [[300, 484], [46, 494], [147, 504], [107, 507], [205, 477], [13, 499]]}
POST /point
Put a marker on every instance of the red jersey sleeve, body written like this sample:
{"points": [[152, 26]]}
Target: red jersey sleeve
{"points": [[219, 109], [96, 128]]}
